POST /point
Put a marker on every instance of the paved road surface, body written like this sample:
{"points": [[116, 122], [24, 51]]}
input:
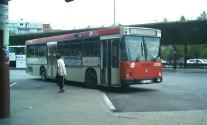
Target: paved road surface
{"points": [[178, 92]]}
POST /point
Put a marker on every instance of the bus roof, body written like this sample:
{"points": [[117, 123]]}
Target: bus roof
{"points": [[86, 34]]}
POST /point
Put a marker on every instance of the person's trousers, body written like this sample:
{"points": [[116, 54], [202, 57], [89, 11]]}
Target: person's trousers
{"points": [[60, 81]]}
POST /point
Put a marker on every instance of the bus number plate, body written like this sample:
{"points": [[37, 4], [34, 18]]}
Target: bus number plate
{"points": [[146, 81]]}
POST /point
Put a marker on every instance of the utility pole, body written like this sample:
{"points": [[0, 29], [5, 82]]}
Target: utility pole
{"points": [[4, 61], [68, 1], [175, 35], [114, 12]]}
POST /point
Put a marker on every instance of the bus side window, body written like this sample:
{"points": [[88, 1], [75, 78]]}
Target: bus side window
{"points": [[32, 51], [62, 48], [115, 53], [76, 48], [28, 53], [123, 55], [42, 50], [92, 48]]}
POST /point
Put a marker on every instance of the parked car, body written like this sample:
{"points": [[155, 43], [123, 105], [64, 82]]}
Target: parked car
{"points": [[205, 60], [197, 61], [164, 61]]}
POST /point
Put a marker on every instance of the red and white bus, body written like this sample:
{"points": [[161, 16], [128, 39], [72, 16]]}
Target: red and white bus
{"points": [[115, 56]]}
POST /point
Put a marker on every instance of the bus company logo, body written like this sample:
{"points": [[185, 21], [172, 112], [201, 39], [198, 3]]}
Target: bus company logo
{"points": [[73, 61], [146, 71]]}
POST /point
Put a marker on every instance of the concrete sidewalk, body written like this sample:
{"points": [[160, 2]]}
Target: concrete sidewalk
{"points": [[82, 106]]}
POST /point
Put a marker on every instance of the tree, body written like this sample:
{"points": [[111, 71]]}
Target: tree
{"points": [[203, 16], [197, 51], [182, 19], [166, 52]]}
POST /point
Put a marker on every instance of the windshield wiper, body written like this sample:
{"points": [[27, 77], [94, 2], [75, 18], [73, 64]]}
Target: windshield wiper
{"points": [[138, 58], [152, 58], [129, 56]]}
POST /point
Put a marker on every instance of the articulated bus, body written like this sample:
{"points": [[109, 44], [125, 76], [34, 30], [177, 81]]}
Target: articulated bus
{"points": [[114, 56]]}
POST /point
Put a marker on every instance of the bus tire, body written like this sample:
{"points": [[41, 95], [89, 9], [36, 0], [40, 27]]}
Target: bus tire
{"points": [[43, 75], [124, 86], [91, 79]]}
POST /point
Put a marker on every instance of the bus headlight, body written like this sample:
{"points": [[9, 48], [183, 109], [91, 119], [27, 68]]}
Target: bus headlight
{"points": [[132, 65], [157, 64]]}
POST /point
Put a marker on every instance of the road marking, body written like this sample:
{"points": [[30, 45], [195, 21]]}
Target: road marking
{"points": [[108, 102], [14, 83]]}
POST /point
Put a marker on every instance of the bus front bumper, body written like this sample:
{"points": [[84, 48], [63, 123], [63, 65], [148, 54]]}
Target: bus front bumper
{"points": [[141, 81]]}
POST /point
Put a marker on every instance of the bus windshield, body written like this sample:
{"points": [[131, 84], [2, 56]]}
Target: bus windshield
{"points": [[138, 48], [152, 47]]}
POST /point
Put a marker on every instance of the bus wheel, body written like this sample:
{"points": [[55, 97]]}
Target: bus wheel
{"points": [[124, 86], [43, 74], [91, 79]]}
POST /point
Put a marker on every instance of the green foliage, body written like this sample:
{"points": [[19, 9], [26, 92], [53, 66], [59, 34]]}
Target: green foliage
{"points": [[180, 52], [197, 51], [182, 19], [193, 51], [203, 16], [166, 52]]}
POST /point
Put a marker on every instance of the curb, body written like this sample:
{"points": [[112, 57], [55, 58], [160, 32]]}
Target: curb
{"points": [[108, 102], [186, 70]]}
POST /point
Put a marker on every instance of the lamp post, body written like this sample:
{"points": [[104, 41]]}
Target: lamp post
{"points": [[68, 1], [4, 61], [114, 12]]}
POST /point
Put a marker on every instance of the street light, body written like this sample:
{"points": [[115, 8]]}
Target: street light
{"points": [[114, 12], [68, 1]]}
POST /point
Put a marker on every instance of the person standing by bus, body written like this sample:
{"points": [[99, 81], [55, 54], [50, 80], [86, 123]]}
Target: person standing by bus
{"points": [[61, 72]]}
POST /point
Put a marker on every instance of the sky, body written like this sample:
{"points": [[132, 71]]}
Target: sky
{"points": [[97, 13]]}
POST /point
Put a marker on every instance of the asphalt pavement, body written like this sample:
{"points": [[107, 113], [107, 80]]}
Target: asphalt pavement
{"points": [[35, 102], [179, 91]]}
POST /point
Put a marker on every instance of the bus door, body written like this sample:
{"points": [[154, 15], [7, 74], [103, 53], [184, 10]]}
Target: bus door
{"points": [[109, 62], [52, 62]]}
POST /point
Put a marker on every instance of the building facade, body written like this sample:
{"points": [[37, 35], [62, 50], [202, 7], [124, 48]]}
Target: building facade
{"points": [[24, 27], [17, 53]]}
